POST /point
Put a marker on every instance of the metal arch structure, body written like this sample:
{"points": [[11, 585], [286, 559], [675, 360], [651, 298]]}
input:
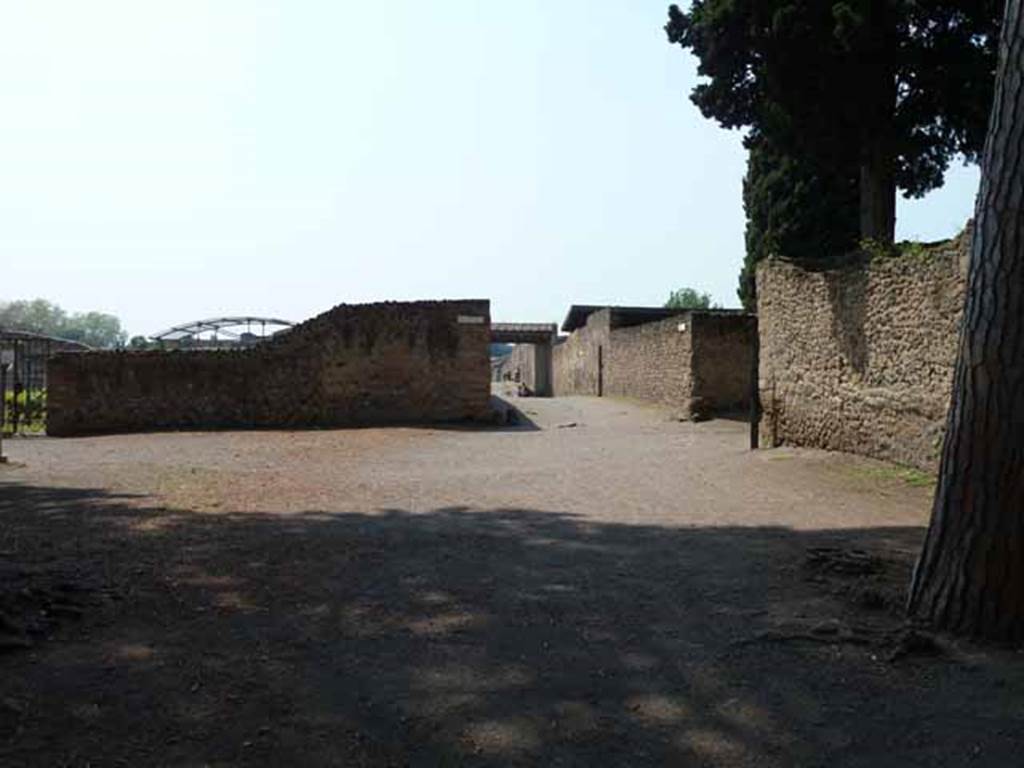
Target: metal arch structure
{"points": [[238, 330]]}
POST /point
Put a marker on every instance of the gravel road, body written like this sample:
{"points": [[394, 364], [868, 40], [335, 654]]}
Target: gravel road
{"points": [[596, 585]]}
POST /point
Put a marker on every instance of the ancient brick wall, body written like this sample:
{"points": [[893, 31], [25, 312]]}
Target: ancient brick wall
{"points": [[577, 359], [658, 361], [652, 362], [388, 363], [723, 356], [860, 358]]}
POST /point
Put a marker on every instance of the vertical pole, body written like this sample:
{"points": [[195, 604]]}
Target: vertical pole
{"points": [[3, 409], [15, 406], [28, 387], [600, 370], [755, 391], [44, 390]]}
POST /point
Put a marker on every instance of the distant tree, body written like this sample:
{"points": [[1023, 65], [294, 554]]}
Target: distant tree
{"points": [[139, 342], [96, 329], [688, 298], [901, 86], [35, 316], [970, 575]]}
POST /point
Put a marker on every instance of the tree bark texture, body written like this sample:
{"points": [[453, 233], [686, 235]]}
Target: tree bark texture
{"points": [[970, 575], [877, 195], [876, 109]]}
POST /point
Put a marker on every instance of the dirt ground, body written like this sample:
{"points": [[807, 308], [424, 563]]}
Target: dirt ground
{"points": [[596, 585]]}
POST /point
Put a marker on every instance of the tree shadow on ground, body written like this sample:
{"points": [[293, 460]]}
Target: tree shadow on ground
{"points": [[466, 637]]}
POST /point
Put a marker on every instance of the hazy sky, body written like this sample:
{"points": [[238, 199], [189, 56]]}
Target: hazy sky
{"points": [[168, 160]]}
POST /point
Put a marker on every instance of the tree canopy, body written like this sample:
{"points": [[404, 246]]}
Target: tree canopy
{"points": [[688, 298], [895, 87], [97, 329]]}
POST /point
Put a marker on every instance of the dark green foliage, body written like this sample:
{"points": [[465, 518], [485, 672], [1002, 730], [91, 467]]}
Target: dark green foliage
{"points": [[794, 209], [689, 298], [897, 86]]}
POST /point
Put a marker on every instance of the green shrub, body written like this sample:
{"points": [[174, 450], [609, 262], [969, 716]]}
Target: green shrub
{"points": [[31, 408]]}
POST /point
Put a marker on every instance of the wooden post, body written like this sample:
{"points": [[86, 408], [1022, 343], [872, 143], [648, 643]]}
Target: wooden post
{"points": [[755, 391], [4, 355]]}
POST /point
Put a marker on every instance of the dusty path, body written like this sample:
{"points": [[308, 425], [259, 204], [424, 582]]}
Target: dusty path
{"points": [[600, 587]]}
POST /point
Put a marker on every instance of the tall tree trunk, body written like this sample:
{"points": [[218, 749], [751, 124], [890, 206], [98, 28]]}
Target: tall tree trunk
{"points": [[876, 110], [970, 575], [877, 193], [877, 176]]}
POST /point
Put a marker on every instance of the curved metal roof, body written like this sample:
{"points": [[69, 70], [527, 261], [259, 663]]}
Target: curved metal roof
{"points": [[219, 325]]}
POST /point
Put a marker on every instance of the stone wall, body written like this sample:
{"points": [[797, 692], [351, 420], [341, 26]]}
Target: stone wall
{"points": [[652, 362], [696, 363], [577, 359], [388, 363], [723, 361], [860, 358], [523, 366]]}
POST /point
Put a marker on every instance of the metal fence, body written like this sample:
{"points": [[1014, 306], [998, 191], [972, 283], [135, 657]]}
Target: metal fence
{"points": [[23, 359]]}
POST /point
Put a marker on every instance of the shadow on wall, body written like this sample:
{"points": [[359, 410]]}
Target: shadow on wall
{"points": [[847, 295], [460, 637]]}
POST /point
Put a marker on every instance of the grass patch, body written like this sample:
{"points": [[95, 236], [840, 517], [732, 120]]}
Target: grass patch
{"points": [[912, 477], [771, 455]]}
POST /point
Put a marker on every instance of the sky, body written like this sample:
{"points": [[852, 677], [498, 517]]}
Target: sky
{"points": [[172, 160]]}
